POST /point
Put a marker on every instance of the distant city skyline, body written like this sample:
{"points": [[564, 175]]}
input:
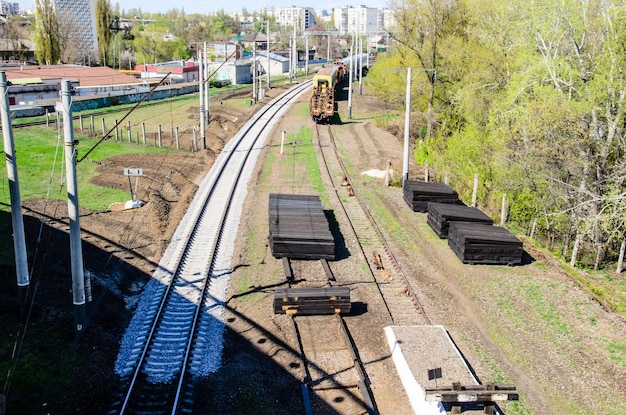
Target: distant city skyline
{"points": [[194, 6]]}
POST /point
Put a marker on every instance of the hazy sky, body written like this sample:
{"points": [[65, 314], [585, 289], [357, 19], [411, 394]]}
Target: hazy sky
{"points": [[207, 6]]}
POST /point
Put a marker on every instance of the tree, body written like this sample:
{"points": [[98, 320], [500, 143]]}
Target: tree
{"points": [[531, 95], [423, 26], [14, 34], [47, 46], [104, 18]]}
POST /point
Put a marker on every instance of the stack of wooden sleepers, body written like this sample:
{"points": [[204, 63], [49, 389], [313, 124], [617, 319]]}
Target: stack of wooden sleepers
{"points": [[441, 214], [476, 243], [417, 194], [312, 301], [298, 228]]}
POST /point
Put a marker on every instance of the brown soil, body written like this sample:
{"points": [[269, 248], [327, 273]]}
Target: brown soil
{"points": [[528, 325]]}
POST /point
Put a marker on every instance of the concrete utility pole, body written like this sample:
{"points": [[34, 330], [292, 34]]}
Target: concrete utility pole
{"points": [[19, 240], [268, 54], [360, 66], [76, 251], [306, 55], [407, 125], [350, 70], [254, 72], [207, 86], [201, 91]]}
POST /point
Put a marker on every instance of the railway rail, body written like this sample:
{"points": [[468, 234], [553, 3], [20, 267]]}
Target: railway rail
{"points": [[331, 368], [176, 329], [399, 297], [332, 371]]}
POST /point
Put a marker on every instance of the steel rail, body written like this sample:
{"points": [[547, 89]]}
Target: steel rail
{"points": [[263, 118], [376, 229]]}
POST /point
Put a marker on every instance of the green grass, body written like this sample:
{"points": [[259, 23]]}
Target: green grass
{"points": [[40, 161], [617, 352], [27, 388], [41, 167]]}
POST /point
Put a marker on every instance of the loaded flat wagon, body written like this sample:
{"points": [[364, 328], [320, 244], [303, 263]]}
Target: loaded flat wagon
{"points": [[441, 214], [298, 228], [417, 194], [475, 243]]}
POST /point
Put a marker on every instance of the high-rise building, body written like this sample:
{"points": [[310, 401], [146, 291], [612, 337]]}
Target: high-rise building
{"points": [[362, 20], [301, 17], [80, 15], [10, 8]]}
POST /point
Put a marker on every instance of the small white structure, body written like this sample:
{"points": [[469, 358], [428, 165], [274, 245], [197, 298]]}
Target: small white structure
{"points": [[278, 64]]}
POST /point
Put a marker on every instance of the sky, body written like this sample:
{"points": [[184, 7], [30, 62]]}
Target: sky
{"points": [[209, 6]]}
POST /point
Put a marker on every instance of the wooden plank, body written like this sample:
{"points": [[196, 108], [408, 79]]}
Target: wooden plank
{"points": [[312, 300], [469, 396], [313, 292], [458, 393], [487, 386]]}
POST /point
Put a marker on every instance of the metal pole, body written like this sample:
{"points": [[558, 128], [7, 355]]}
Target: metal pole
{"points": [[78, 277], [407, 125], [19, 240]]}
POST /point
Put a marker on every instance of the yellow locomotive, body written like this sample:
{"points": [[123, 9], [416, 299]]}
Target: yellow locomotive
{"points": [[325, 82]]}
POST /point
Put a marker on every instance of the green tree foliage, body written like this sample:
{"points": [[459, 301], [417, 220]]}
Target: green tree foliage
{"points": [[46, 38], [104, 18], [529, 95]]}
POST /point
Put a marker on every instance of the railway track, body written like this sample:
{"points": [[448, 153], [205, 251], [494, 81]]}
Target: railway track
{"points": [[399, 297], [175, 326], [332, 374]]}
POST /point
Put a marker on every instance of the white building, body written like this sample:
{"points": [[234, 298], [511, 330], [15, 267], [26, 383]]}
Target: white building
{"points": [[362, 20], [10, 8], [301, 17]]}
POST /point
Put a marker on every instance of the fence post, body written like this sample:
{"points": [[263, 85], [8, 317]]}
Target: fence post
{"points": [[572, 261], [117, 137], [474, 193], [143, 132], [160, 135], [194, 144], [426, 171], [130, 136], [620, 262], [92, 129], [80, 118], [104, 128], [47, 118], [503, 210], [177, 140], [533, 227]]}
